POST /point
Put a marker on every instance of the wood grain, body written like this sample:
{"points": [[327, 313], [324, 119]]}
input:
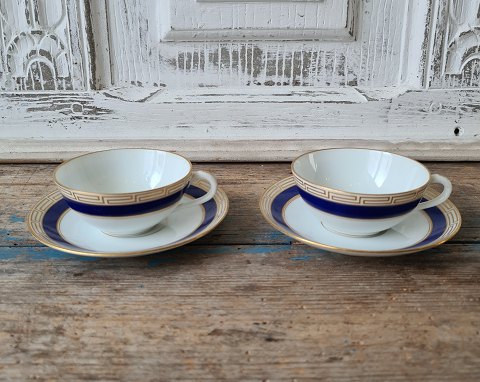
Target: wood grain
{"points": [[430, 125], [23, 185], [241, 313], [380, 33], [244, 303]]}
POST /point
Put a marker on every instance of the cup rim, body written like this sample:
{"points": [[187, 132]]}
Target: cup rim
{"points": [[423, 186], [74, 190]]}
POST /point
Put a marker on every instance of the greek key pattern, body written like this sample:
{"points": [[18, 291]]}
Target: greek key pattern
{"points": [[269, 196], [448, 209], [359, 199], [220, 199], [452, 217], [123, 199], [36, 216], [35, 219]]}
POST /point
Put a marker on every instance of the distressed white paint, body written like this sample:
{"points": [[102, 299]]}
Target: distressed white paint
{"points": [[191, 20], [375, 58], [229, 151], [240, 99], [464, 33], [454, 45], [427, 124], [288, 94], [42, 45]]}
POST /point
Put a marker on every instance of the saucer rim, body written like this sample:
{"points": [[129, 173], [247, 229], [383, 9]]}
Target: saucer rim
{"points": [[220, 197], [346, 251]]}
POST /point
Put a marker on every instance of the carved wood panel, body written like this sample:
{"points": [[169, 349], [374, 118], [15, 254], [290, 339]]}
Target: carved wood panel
{"points": [[228, 20], [42, 45], [238, 98], [376, 56], [454, 55]]}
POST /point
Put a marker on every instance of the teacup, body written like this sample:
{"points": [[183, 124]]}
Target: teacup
{"points": [[361, 192], [127, 192]]}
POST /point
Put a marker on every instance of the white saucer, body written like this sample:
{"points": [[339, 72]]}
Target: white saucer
{"points": [[54, 224], [284, 209]]}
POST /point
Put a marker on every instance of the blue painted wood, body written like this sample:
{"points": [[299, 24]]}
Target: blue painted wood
{"points": [[297, 253]]}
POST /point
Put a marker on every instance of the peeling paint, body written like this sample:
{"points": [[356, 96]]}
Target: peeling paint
{"points": [[38, 254], [16, 219]]}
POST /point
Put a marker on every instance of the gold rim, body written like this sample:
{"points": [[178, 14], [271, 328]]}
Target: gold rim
{"points": [[141, 193], [358, 194], [222, 210], [267, 201]]}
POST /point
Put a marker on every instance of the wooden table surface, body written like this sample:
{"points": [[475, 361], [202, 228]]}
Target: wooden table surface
{"points": [[243, 303]]}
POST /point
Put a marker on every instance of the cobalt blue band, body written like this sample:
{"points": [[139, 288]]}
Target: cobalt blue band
{"points": [[439, 223], [357, 212], [125, 210], [50, 220]]}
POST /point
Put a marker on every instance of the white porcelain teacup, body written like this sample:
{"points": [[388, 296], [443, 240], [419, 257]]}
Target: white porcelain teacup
{"points": [[126, 192], [361, 192]]}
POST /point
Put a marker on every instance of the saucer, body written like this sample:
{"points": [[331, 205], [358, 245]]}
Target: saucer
{"points": [[54, 224], [284, 209]]}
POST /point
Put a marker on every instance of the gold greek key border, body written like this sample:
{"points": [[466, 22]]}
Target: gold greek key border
{"points": [[108, 199], [35, 219], [123, 199], [449, 210], [359, 199]]}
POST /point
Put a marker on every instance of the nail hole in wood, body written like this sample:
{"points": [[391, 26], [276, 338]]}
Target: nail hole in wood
{"points": [[77, 108]]}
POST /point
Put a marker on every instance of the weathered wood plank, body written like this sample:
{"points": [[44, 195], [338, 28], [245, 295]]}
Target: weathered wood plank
{"points": [[44, 151], [241, 313], [231, 312], [431, 125], [23, 185], [379, 33]]}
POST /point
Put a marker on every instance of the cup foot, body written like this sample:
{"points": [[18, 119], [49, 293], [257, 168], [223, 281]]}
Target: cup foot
{"points": [[336, 232], [147, 232]]}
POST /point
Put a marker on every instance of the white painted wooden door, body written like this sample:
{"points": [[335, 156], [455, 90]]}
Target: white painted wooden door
{"points": [[239, 80]]}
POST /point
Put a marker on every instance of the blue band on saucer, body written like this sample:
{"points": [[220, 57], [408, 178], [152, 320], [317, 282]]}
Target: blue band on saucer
{"points": [[125, 210], [50, 220], [209, 207], [438, 228], [357, 212], [439, 223]]}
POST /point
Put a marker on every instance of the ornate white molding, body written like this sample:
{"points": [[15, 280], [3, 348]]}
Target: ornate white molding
{"points": [[462, 34], [42, 45], [266, 20]]}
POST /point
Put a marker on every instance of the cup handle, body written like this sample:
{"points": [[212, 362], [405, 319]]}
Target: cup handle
{"points": [[200, 175], [447, 190]]}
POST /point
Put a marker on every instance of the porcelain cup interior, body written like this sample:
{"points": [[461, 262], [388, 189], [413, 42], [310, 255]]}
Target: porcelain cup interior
{"points": [[360, 192], [125, 191], [122, 171]]}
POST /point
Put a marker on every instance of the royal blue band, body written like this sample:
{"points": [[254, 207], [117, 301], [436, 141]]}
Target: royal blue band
{"points": [[50, 220], [437, 217], [357, 212], [125, 210]]}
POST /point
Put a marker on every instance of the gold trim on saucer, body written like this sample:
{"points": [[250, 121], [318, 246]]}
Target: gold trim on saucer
{"points": [[36, 215], [449, 210]]}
